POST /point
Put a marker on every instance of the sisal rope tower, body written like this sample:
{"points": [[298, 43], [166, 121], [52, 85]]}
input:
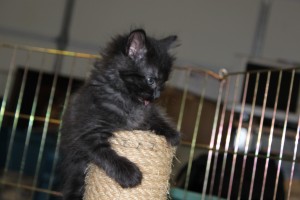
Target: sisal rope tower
{"points": [[150, 152]]}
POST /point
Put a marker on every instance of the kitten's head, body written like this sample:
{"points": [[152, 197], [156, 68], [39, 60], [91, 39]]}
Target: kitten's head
{"points": [[138, 65], [150, 65], [143, 64]]}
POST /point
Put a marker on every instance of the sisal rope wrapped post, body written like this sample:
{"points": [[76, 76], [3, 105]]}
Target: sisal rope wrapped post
{"points": [[150, 152]]}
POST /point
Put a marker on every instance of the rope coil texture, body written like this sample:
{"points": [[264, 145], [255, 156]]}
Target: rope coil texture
{"points": [[150, 152]]}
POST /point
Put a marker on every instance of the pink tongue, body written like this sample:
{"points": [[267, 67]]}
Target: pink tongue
{"points": [[146, 102]]}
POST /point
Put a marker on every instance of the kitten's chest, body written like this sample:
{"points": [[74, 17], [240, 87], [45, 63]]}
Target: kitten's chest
{"points": [[136, 118]]}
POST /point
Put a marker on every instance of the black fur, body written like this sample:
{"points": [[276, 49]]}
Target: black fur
{"points": [[117, 96]]}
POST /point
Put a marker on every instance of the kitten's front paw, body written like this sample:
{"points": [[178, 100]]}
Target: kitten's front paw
{"points": [[173, 138], [128, 175]]}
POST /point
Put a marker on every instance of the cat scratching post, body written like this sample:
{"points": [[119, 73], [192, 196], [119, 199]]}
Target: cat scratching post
{"points": [[150, 153]]}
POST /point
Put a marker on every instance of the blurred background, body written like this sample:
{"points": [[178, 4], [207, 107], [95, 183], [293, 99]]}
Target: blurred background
{"points": [[239, 36]]}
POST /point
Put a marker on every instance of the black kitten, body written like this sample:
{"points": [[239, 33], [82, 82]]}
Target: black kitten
{"points": [[117, 96]]}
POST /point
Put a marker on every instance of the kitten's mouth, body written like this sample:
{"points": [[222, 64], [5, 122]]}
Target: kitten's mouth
{"points": [[144, 101]]}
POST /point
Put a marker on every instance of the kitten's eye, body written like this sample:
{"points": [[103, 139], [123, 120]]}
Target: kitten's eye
{"points": [[150, 80]]}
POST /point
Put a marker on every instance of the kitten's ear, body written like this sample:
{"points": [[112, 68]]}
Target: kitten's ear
{"points": [[170, 42], [136, 46]]}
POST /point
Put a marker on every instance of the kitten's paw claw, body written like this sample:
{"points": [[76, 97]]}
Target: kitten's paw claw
{"points": [[129, 174]]}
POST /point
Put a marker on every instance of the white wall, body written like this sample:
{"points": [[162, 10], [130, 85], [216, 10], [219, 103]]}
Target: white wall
{"points": [[212, 33], [283, 33], [31, 22]]}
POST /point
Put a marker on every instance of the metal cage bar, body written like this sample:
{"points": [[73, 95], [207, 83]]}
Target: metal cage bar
{"points": [[271, 134], [228, 137], [294, 159], [31, 120], [16, 117], [195, 134], [238, 135], [219, 137], [183, 100], [7, 86], [259, 134], [284, 133], [212, 140]]}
